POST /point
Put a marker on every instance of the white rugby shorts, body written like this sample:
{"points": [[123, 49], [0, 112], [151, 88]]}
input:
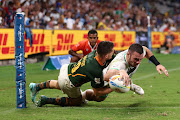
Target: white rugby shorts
{"points": [[65, 84]]}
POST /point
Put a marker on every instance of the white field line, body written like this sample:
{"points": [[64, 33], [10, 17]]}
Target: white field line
{"points": [[153, 74], [4, 112]]}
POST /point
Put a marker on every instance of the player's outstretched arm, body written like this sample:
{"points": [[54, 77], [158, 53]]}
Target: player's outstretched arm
{"points": [[153, 59], [160, 68]]}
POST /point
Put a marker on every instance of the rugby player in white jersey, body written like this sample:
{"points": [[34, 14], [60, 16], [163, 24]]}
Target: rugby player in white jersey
{"points": [[125, 64]]}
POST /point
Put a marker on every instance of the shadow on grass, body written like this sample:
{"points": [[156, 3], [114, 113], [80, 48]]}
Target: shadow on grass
{"points": [[138, 104], [116, 104]]}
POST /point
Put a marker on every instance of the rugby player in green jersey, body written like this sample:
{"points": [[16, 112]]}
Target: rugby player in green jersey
{"points": [[72, 76]]}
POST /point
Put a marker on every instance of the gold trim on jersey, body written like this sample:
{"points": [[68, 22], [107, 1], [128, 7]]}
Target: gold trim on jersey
{"points": [[76, 75]]}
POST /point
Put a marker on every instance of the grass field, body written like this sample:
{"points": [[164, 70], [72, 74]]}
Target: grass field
{"points": [[160, 102]]}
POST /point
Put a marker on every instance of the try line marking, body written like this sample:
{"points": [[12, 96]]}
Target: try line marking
{"points": [[153, 74]]}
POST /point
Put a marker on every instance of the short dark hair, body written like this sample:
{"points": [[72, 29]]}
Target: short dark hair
{"points": [[136, 48], [104, 48], [10, 3], [92, 32]]}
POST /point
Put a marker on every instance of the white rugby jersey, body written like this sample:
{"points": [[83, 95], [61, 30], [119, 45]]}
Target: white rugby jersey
{"points": [[120, 63]]}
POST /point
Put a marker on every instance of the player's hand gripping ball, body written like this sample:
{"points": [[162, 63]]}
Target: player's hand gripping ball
{"points": [[117, 84]]}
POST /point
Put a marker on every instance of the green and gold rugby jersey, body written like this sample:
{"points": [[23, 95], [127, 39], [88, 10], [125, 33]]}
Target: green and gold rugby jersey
{"points": [[87, 69]]}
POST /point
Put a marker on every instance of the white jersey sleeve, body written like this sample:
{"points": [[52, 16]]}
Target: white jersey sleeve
{"points": [[144, 52], [119, 62]]}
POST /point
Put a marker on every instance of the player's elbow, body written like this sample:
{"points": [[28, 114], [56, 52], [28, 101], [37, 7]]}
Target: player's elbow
{"points": [[71, 51]]}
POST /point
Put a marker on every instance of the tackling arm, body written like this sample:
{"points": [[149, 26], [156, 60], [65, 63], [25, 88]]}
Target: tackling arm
{"points": [[110, 73], [102, 91]]}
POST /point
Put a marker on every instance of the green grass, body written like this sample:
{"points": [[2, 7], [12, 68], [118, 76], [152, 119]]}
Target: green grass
{"points": [[160, 102]]}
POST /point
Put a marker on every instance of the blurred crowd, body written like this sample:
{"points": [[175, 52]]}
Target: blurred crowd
{"points": [[119, 15]]}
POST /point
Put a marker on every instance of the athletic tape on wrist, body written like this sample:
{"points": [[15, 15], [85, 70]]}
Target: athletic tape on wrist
{"points": [[154, 60]]}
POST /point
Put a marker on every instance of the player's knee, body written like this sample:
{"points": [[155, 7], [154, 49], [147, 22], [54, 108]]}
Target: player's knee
{"points": [[53, 84], [90, 95]]}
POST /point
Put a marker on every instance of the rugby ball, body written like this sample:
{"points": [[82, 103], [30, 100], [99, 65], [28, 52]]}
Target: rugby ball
{"points": [[116, 83]]}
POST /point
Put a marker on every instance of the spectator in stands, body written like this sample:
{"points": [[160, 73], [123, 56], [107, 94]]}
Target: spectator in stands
{"points": [[169, 43], [29, 23], [69, 21], [46, 18], [86, 46], [28, 30], [51, 23], [1, 19], [172, 27], [9, 13], [105, 23], [64, 26], [77, 25], [117, 25], [99, 14]]}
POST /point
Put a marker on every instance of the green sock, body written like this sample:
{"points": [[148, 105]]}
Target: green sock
{"points": [[43, 85], [63, 101]]}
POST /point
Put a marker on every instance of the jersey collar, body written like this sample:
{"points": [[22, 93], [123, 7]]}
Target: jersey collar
{"points": [[99, 61], [92, 49], [125, 59]]}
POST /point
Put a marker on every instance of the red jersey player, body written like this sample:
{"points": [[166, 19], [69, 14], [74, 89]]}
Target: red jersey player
{"points": [[86, 46]]}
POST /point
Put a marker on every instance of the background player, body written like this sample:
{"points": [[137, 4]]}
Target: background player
{"points": [[86, 46]]}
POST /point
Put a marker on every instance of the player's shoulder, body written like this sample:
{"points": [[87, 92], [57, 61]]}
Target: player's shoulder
{"points": [[98, 41], [83, 41], [121, 55], [92, 65], [119, 59]]}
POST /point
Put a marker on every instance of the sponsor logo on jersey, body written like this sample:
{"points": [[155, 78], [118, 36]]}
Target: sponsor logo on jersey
{"points": [[97, 80]]}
